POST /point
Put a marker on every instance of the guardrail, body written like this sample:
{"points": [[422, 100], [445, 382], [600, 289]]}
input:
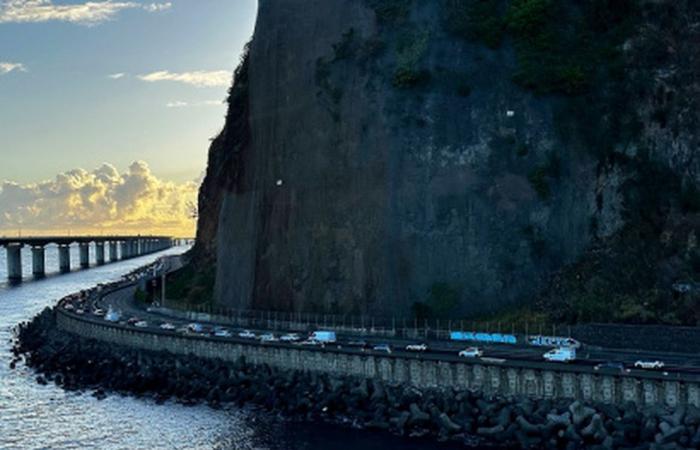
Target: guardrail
{"points": [[276, 321]]}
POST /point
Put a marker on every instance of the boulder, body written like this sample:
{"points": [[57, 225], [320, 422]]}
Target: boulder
{"points": [[490, 431], [595, 429], [418, 416], [447, 424], [580, 413], [563, 420]]}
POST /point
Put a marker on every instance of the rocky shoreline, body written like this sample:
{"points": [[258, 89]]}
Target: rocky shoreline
{"points": [[448, 415]]}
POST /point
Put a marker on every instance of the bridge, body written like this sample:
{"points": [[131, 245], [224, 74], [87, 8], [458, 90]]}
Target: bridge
{"points": [[130, 246]]}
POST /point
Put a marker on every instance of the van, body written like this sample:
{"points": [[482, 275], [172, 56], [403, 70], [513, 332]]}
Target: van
{"points": [[325, 337]]}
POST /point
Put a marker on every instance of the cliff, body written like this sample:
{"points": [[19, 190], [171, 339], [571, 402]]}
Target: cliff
{"points": [[458, 157]]}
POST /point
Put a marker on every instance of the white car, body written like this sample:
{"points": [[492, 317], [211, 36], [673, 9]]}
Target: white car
{"points": [[385, 348], [68, 307], [561, 354], [290, 337], [471, 352], [416, 347], [141, 324], [167, 326], [99, 312], [269, 337], [195, 328], [113, 316], [649, 364], [246, 334], [223, 332]]}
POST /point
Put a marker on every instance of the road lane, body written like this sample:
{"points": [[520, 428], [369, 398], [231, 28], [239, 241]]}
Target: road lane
{"points": [[528, 356]]}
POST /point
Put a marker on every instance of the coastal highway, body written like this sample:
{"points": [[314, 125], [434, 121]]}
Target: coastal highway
{"points": [[680, 366]]}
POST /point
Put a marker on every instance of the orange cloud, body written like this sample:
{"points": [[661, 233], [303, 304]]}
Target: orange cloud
{"points": [[101, 201]]}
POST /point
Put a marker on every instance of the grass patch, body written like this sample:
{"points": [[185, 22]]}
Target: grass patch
{"points": [[464, 89], [563, 46], [346, 48], [191, 286], [476, 20], [410, 50], [391, 11], [442, 300], [541, 176], [522, 150]]}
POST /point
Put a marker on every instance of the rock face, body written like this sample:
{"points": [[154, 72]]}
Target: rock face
{"points": [[377, 158]]}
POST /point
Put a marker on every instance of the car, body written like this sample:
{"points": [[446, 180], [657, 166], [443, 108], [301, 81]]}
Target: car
{"points": [[246, 334], [132, 320], [644, 364], [309, 342], [268, 337], [416, 347], [290, 337], [68, 307], [561, 354], [386, 348], [195, 327], [222, 332], [80, 311], [99, 312], [471, 352], [141, 324], [610, 365], [571, 342], [167, 326], [113, 316]]}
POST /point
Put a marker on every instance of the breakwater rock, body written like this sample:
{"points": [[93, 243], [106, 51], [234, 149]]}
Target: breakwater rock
{"points": [[76, 363]]}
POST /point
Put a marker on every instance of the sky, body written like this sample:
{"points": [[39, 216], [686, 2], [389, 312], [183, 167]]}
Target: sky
{"points": [[107, 109]]}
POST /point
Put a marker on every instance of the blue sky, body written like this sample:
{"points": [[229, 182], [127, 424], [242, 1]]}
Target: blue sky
{"points": [[60, 110], [107, 108]]}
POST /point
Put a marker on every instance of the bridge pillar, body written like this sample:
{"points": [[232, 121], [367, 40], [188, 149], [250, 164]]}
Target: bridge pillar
{"points": [[113, 256], [125, 250], [100, 253], [38, 261], [134, 248], [64, 258], [84, 255], [14, 262]]}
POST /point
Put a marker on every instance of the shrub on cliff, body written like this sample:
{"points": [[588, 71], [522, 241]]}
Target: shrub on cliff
{"points": [[476, 20]]}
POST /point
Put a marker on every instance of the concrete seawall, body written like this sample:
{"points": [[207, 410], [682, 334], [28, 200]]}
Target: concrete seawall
{"points": [[511, 378]]}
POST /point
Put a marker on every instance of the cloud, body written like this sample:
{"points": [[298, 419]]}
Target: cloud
{"points": [[181, 104], [156, 7], [7, 67], [116, 76], [199, 78], [85, 13], [176, 104], [135, 201]]}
